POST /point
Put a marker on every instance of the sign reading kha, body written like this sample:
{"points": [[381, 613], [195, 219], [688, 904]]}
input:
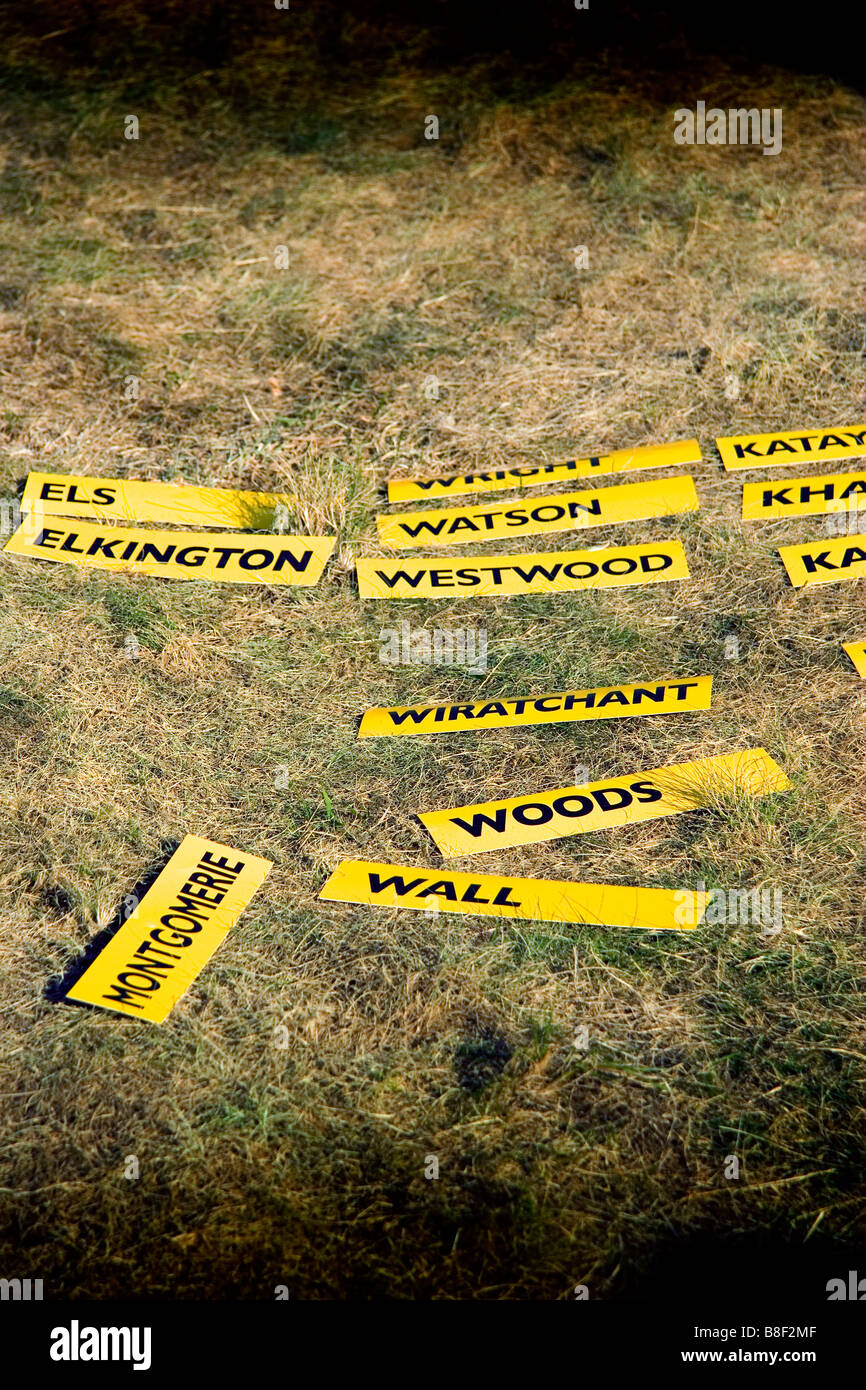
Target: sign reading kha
{"points": [[826, 492], [566, 511]]}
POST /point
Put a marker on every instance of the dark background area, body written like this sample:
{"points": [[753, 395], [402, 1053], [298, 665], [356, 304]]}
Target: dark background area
{"points": [[536, 43]]}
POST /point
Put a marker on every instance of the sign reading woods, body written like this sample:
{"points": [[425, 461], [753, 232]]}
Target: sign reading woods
{"points": [[502, 479], [179, 923], [552, 572], [663, 791], [226, 559], [533, 899], [603, 702], [565, 511]]}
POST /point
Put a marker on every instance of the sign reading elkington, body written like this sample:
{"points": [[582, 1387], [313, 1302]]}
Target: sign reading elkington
{"points": [[502, 479], [550, 572], [179, 923], [224, 558], [530, 899], [603, 702], [565, 511], [550, 815]]}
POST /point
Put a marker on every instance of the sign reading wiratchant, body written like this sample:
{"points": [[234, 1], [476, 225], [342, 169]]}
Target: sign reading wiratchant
{"points": [[825, 492], [226, 559], [530, 899], [173, 932], [602, 702], [567, 511], [501, 479], [550, 815], [551, 572]]}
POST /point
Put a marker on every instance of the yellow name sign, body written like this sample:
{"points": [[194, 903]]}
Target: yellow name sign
{"points": [[601, 702], [63, 494], [531, 899], [792, 446], [173, 932], [826, 492], [551, 572], [227, 559], [501, 479], [663, 791], [566, 511], [857, 653], [825, 562]]}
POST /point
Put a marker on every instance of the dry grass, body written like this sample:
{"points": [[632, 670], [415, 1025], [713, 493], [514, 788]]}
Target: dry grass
{"points": [[408, 1035]]}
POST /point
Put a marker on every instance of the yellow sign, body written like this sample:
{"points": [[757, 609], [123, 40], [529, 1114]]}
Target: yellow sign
{"points": [[826, 492], [550, 572], [857, 653], [664, 791], [621, 461], [173, 932], [825, 562], [601, 702], [566, 511], [792, 446], [531, 899], [63, 494], [227, 559]]}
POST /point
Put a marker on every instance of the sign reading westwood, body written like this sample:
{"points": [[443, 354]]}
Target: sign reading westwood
{"points": [[550, 815], [531, 899], [121, 499], [224, 558], [502, 479], [551, 572], [565, 511], [603, 702], [179, 923]]}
